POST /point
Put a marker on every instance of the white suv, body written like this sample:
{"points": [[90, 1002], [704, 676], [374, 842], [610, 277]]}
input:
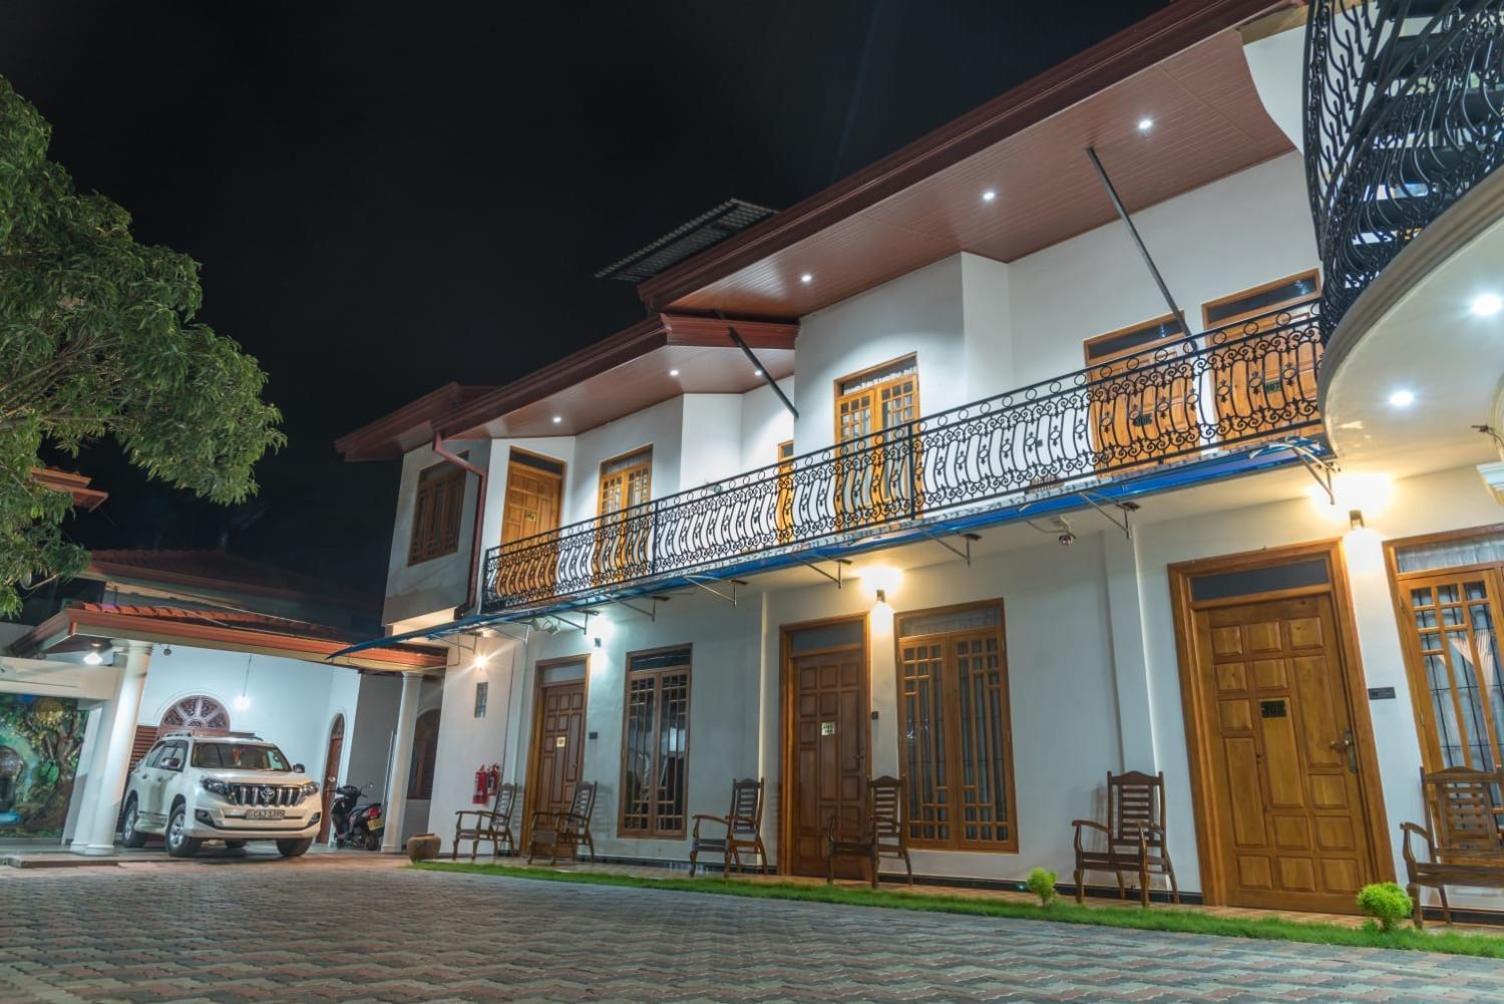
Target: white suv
{"points": [[234, 787]]}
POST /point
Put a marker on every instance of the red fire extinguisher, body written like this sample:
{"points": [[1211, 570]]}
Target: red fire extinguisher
{"points": [[487, 783]]}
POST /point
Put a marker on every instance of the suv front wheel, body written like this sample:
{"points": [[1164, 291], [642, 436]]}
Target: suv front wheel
{"points": [[179, 843], [293, 848]]}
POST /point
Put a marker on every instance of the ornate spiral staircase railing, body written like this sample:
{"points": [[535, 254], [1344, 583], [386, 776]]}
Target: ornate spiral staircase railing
{"points": [[1404, 113], [1216, 395]]}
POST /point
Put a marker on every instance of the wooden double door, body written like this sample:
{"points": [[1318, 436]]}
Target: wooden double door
{"points": [[827, 744], [1284, 791]]}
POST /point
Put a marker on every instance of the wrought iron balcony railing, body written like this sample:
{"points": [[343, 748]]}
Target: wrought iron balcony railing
{"points": [[1404, 113], [1209, 396]]}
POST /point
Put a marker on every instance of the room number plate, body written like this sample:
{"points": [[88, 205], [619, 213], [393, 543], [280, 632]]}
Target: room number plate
{"points": [[827, 728], [559, 742]]}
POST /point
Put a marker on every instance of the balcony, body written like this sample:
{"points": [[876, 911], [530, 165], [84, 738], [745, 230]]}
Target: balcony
{"points": [[1404, 116], [1205, 407]]}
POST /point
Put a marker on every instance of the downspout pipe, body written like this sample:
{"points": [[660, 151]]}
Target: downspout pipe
{"points": [[446, 454]]}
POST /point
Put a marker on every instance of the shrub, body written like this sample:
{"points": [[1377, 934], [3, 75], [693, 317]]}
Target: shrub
{"points": [[1386, 903], [1041, 883]]}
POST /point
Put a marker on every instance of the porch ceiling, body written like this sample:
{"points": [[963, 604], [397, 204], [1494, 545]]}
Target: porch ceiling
{"points": [[1208, 122]]}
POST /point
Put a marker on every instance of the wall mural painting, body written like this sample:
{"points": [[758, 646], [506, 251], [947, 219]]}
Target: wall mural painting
{"points": [[40, 738]]}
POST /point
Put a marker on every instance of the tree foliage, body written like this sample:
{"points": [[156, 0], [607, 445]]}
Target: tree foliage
{"points": [[98, 338]]}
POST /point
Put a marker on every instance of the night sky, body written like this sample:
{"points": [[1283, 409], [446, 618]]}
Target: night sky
{"points": [[387, 197]]}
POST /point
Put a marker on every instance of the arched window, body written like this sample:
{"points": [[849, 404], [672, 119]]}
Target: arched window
{"points": [[425, 751], [196, 712]]}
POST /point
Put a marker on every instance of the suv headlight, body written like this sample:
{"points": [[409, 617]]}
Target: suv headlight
{"points": [[311, 788], [215, 785]]}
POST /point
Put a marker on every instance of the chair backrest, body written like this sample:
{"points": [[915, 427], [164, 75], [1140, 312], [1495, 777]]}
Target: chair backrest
{"points": [[1460, 802], [1135, 799], [746, 806], [583, 802], [885, 796], [506, 798]]}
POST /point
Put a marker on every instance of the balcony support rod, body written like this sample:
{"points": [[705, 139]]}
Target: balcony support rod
{"points": [[1124, 507], [757, 364], [963, 554], [651, 613], [702, 580], [1117, 203], [840, 564]]}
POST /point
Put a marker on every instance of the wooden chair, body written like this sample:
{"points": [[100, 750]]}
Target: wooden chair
{"points": [[1464, 839], [743, 826], [883, 833], [1134, 835], [493, 824], [559, 834]]}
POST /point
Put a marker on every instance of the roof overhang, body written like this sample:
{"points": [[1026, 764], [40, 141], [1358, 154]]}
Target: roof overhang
{"points": [[617, 376], [1182, 65], [75, 628], [76, 485]]}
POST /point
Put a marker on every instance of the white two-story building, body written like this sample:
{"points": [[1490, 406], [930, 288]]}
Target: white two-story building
{"points": [[1122, 424]]}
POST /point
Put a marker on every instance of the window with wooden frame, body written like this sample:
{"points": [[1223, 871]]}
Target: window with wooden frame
{"points": [[425, 755], [436, 513], [783, 513], [955, 736], [1260, 375], [1448, 590], [626, 481], [655, 744], [621, 545], [1136, 412], [876, 477]]}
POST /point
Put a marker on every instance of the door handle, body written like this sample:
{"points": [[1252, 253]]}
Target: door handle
{"points": [[1347, 745]]}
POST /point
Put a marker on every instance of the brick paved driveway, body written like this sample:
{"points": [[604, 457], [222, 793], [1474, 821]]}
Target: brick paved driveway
{"points": [[363, 929]]}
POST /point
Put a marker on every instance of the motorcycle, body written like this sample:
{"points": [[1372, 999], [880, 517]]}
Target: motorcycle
{"points": [[354, 825]]}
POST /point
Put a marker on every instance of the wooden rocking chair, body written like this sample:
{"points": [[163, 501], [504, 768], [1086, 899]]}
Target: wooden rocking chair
{"points": [[743, 826], [559, 834], [493, 824], [1464, 841], [883, 834], [1135, 835]]}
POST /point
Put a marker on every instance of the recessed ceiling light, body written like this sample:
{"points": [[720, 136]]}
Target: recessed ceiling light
{"points": [[806, 278], [673, 372], [1487, 304], [1402, 398], [558, 419], [1145, 124], [757, 372], [989, 195]]}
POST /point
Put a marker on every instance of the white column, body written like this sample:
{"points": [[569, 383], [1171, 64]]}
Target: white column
{"points": [[1130, 665], [402, 758], [95, 834]]}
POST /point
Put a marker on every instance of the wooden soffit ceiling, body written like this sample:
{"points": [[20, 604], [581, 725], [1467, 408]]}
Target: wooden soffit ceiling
{"points": [[1208, 123]]}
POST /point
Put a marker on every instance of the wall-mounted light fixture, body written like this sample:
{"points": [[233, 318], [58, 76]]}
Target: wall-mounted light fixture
{"points": [[882, 596], [1355, 519]]}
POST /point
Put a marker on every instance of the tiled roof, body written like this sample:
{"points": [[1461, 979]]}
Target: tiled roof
{"points": [[212, 568]]}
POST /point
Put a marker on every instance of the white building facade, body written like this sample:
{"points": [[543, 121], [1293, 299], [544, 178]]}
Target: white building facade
{"points": [[912, 536]]}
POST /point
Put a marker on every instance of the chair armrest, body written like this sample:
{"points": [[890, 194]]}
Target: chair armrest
{"points": [[460, 814], [703, 818], [1412, 828], [1092, 824]]}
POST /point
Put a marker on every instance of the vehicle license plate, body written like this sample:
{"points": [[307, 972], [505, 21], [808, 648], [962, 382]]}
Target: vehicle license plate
{"points": [[376, 824], [264, 813]]}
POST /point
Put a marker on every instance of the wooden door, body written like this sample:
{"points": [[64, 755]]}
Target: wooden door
{"points": [[532, 502], [1257, 382], [331, 770], [1141, 401], [623, 545], [879, 454], [1292, 829], [830, 754], [559, 746]]}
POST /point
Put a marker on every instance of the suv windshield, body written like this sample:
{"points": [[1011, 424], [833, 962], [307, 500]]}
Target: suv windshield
{"points": [[238, 756]]}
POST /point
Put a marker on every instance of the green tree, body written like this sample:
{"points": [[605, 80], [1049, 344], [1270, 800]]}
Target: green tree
{"points": [[98, 338]]}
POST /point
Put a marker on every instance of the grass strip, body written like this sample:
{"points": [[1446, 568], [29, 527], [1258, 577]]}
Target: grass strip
{"points": [[1134, 918]]}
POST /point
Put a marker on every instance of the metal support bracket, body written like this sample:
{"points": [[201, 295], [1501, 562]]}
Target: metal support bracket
{"points": [[964, 551], [1125, 507], [651, 613], [583, 627], [840, 564], [1318, 467], [703, 582]]}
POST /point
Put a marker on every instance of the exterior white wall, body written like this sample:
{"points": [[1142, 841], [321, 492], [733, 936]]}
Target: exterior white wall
{"points": [[711, 446], [921, 312], [1277, 65], [765, 424], [438, 584], [1239, 232]]}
